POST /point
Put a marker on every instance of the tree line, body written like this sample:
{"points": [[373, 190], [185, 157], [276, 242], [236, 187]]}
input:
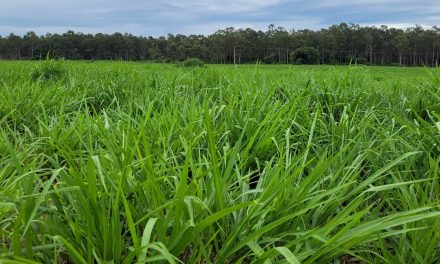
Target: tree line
{"points": [[338, 44]]}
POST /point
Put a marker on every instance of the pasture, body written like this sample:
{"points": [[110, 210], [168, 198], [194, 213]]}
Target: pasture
{"points": [[117, 162]]}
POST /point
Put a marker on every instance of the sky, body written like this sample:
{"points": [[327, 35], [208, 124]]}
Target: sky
{"points": [[160, 17]]}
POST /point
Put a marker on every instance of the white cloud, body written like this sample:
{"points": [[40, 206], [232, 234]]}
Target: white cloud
{"points": [[158, 17], [224, 6]]}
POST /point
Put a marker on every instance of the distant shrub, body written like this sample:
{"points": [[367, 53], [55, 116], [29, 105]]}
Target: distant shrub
{"points": [[49, 70], [271, 58], [356, 60], [306, 55], [193, 62]]}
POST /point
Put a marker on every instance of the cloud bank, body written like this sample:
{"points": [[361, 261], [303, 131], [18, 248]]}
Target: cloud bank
{"points": [[158, 17]]}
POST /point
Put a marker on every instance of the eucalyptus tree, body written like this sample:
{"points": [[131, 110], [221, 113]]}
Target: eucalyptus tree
{"points": [[338, 44]]}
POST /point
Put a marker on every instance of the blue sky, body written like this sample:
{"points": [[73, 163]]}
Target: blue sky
{"points": [[159, 17]]}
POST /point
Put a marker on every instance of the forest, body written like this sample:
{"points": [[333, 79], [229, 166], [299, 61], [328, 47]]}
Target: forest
{"points": [[339, 44]]}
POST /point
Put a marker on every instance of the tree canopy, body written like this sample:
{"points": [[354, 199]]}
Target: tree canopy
{"points": [[338, 44]]}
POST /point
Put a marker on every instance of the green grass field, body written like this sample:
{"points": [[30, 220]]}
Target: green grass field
{"points": [[114, 162]]}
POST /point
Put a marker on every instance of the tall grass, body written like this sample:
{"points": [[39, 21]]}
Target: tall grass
{"points": [[135, 163]]}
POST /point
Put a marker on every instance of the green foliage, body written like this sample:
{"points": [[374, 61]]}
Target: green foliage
{"points": [[134, 163], [270, 58], [193, 62], [306, 55], [49, 70], [337, 45], [353, 60]]}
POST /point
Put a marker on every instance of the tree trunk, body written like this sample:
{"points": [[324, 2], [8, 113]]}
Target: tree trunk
{"points": [[414, 59], [279, 55]]}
